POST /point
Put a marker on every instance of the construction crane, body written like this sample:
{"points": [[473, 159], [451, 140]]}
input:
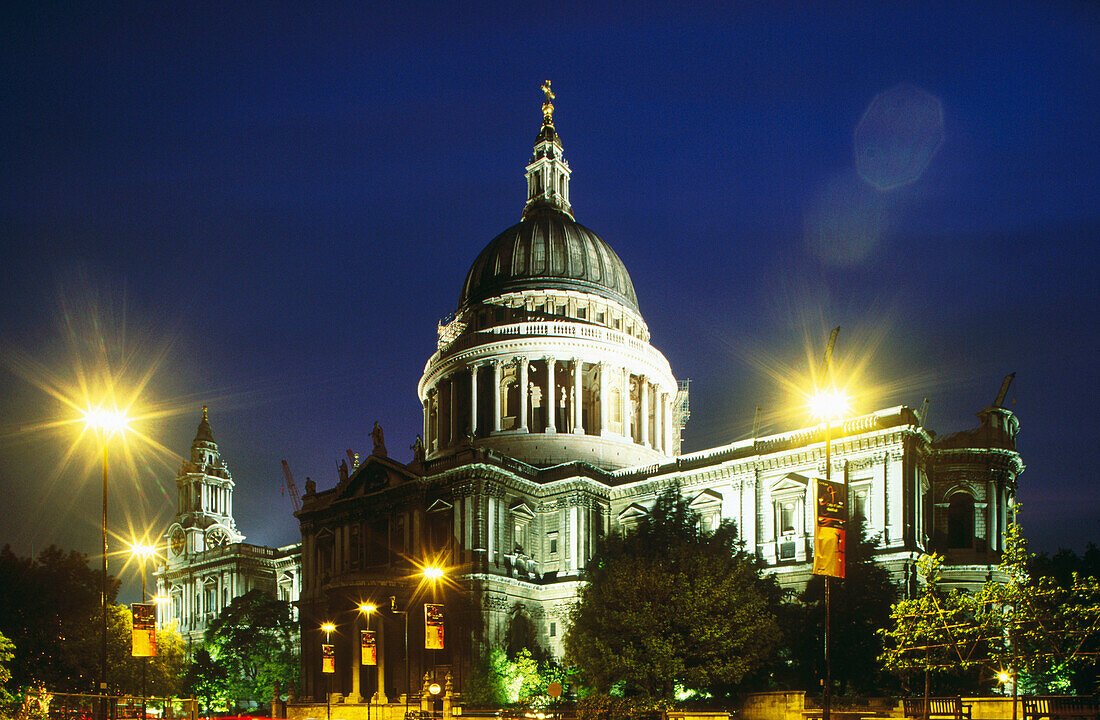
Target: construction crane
{"points": [[828, 355], [1003, 392], [922, 413], [289, 486]]}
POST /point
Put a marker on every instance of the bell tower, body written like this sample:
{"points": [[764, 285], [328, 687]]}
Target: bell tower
{"points": [[204, 486]]}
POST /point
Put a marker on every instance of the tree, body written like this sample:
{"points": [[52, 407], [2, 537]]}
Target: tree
{"points": [[50, 609], [860, 607], [254, 644], [934, 631], [208, 681], [672, 604], [1043, 630], [1033, 627]]}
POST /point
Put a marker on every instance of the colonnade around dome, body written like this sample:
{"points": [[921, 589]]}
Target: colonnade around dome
{"points": [[518, 394]]}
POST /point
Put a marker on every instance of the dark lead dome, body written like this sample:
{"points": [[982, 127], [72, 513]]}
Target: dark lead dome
{"points": [[204, 433], [548, 250]]}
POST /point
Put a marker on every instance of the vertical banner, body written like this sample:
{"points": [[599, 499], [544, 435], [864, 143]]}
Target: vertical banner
{"points": [[832, 516], [433, 627], [144, 638], [368, 647], [328, 658]]}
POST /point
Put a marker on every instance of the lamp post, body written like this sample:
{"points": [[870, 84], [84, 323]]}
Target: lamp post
{"points": [[357, 654], [105, 422], [433, 574], [328, 627], [143, 551], [828, 406], [405, 612]]}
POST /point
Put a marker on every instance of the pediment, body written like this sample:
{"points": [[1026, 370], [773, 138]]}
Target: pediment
{"points": [[633, 511], [375, 474], [522, 510], [707, 498], [440, 505], [792, 482]]}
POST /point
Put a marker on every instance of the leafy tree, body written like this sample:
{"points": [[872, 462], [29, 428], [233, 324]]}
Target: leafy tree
{"points": [[1042, 629], [671, 603], [1035, 627], [860, 607], [50, 609], [254, 641], [209, 682], [7, 652], [934, 631]]}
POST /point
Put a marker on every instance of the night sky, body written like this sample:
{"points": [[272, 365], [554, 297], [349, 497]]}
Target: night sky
{"points": [[266, 208]]}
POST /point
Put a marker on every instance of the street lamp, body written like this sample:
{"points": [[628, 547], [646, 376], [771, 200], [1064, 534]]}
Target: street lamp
{"points": [[405, 612], [143, 551], [328, 627], [365, 608], [105, 422], [827, 406]]}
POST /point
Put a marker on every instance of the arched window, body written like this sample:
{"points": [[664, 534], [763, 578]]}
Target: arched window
{"points": [[960, 521]]}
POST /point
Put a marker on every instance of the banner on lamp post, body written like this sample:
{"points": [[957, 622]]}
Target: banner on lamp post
{"points": [[328, 658], [433, 626], [144, 636], [829, 529], [369, 647]]}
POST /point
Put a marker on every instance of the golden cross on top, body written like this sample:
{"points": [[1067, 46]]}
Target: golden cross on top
{"points": [[547, 106]]}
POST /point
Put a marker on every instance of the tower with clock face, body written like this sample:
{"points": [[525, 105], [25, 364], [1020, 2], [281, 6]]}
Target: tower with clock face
{"points": [[206, 561], [204, 517]]}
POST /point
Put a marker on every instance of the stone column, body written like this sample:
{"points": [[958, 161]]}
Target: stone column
{"points": [[523, 394], [578, 398], [624, 405], [427, 415], [380, 639], [550, 400], [473, 400], [669, 450], [453, 414], [605, 396], [496, 395], [356, 657], [643, 400], [991, 515]]}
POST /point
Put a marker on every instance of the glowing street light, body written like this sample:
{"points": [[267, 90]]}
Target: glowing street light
{"points": [[433, 573], [328, 627], [143, 551], [829, 404], [106, 422], [365, 608]]}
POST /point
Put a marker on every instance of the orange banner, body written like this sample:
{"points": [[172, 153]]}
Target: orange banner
{"points": [[144, 636], [368, 647], [433, 627], [328, 658], [829, 530]]}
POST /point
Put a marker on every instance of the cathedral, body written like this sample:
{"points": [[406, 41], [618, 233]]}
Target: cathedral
{"points": [[207, 563], [549, 421]]}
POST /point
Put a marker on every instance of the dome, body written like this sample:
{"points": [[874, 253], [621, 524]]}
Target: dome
{"points": [[204, 432], [548, 250]]}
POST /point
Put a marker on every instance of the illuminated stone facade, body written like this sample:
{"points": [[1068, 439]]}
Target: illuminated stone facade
{"points": [[206, 561], [551, 421]]}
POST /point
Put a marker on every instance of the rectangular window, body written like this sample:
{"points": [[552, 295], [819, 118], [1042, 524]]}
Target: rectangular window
{"points": [[553, 537], [787, 517], [553, 629], [582, 313]]}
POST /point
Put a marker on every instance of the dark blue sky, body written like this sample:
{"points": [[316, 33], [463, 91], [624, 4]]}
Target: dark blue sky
{"points": [[272, 205]]}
